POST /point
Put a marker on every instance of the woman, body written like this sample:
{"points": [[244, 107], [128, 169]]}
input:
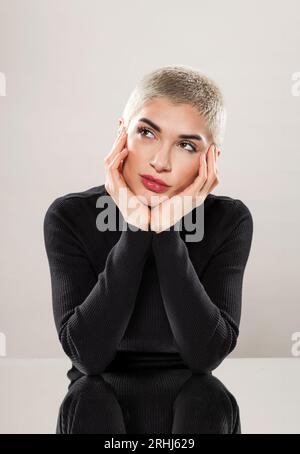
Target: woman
{"points": [[143, 314]]}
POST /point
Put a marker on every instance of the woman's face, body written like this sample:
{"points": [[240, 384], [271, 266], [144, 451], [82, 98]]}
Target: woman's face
{"points": [[163, 154]]}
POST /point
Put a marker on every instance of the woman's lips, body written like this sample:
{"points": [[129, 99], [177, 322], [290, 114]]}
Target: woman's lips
{"points": [[153, 186]]}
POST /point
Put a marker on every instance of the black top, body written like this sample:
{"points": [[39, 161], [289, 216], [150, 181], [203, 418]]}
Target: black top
{"points": [[127, 298]]}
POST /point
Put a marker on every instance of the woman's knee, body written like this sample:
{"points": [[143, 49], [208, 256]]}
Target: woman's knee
{"points": [[90, 406], [206, 399]]}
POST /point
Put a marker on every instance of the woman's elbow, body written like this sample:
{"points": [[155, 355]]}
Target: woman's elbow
{"points": [[213, 356], [86, 362]]}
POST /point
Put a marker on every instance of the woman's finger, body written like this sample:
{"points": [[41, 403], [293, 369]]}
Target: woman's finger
{"points": [[211, 176], [202, 175], [117, 159], [216, 181], [117, 147], [212, 179], [114, 176]]}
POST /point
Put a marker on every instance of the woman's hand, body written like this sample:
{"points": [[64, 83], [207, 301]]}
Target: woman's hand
{"points": [[133, 210], [171, 210]]}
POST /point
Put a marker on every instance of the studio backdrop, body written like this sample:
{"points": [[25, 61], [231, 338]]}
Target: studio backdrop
{"points": [[66, 71]]}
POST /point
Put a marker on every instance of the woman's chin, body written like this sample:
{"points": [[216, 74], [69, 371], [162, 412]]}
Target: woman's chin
{"points": [[145, 199], [152, 200]]}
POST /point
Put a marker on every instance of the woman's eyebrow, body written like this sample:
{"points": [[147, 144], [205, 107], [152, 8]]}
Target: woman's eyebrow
{"points": [[182, 136]]}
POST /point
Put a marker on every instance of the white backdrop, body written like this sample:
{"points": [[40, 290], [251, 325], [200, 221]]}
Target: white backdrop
{"points": [[67, 68]]}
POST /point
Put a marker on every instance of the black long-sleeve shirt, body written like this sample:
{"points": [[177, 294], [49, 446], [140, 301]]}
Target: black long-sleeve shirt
{"points": [[143, 298]]}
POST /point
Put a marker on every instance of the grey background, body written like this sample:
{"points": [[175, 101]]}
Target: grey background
{"points": [[70, 66]]}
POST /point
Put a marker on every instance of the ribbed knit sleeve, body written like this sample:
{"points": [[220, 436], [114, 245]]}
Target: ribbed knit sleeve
{"points": [[204, 315], [92, 312]]}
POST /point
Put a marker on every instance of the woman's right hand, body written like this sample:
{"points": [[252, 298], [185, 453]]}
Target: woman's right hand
{"points": [[133, 210]]}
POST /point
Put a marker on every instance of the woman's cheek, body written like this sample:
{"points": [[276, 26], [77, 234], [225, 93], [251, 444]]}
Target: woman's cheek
{"points": [[132, 147]]}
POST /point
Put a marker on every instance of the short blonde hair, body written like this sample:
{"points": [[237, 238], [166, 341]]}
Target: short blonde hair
{"points": [[181, 85]]}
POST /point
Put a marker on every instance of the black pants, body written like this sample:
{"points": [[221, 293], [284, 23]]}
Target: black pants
{"points": [[165, 401]]}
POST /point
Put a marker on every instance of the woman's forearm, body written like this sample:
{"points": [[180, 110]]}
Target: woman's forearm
{"points": [[92, 312], [204, 314]]}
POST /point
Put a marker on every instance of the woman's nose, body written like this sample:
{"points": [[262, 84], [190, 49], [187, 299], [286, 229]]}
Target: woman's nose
{"points": [[161, 161]]}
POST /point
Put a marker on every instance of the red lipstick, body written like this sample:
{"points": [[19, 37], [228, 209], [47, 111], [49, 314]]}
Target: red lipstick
{"points": [[154, 184]]}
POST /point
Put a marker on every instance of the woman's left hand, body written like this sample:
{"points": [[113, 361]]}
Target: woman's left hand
{"points": [[171, 210]]}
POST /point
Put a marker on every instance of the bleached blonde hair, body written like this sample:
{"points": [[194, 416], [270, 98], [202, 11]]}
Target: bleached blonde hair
{"points": [[181, 85]]}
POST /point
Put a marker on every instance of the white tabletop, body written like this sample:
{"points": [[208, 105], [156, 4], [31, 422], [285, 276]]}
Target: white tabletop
{"points": [[266, 389]]}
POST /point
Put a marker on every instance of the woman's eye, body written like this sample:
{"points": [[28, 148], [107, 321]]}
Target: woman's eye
{"points": [[193, 150], [141, 130]]}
